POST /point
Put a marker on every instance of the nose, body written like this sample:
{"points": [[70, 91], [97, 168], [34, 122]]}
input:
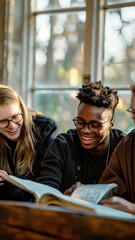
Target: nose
{"points": [[11, 124], [86, 128]]}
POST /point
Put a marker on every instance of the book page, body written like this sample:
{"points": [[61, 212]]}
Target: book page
{"points": [[37, 189], [102, 211], [94, 192], [54, 197], [85, 207]]}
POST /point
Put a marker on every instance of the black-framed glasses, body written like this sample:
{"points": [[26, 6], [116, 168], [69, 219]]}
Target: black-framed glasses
{"points": [[15, 119], [130, 111], [93, 126]]}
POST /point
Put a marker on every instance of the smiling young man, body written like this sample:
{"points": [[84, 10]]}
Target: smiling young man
{"points": [[82, 154]]}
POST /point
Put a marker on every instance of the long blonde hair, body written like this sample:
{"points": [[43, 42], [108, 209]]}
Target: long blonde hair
{"points": [[24, 155]]}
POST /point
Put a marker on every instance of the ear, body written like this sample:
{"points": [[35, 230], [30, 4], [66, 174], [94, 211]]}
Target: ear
{"points": [[111, 124]]}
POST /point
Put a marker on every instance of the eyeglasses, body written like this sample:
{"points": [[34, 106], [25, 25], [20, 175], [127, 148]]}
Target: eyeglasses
{"points": [[16, 119], [130, 111], [93, 126]]}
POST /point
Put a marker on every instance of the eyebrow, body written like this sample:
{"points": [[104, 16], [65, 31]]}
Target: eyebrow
{"points": [[5, 119], [93, 121]]}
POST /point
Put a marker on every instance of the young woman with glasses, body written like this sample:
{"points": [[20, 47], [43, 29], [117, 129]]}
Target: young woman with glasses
{"points": [[82, 154], [24, 138]]}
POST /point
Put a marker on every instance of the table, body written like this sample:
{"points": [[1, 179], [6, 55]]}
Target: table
{"points": [[30, 221]]}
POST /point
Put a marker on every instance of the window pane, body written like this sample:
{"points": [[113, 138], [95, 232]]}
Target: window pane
{"points": [[118, 1], [122, 118], [59, 49], [42, 5], [120, 47], [61, 106], [14, 43]]}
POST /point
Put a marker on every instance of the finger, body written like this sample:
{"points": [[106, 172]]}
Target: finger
{"points": [[114, 199], [2, 175], [68, 191], [3, 172], [78, 184]]}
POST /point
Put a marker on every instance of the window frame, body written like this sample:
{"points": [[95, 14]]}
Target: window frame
{"points": [[86, 71], [100, 57], [93, 69]]}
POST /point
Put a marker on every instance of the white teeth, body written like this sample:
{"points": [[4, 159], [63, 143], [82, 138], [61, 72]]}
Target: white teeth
{"points": [[13, 131], [87, 138]]}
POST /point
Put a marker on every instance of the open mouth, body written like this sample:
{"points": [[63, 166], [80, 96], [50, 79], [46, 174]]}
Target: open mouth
{"points": [[13, 131], [87, 140]]}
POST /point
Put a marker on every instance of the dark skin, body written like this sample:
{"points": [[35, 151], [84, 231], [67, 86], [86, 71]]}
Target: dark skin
{"points": [[97, 143]]}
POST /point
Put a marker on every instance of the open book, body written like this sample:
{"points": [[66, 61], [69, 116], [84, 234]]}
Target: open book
{"points": [[83, 198]]}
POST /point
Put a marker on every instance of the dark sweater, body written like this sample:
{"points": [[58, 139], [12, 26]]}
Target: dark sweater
{"points": [[66, 161], [121, 169], [46, 127]]}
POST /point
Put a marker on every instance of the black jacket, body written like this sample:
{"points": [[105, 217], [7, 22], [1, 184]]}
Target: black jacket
{"points": [[66, 161], [46, 128]]}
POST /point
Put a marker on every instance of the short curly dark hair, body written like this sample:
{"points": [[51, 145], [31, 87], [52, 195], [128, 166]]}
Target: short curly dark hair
{"points": [[98, 95]]}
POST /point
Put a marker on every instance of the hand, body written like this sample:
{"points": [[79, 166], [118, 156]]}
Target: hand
{"points": [[3, 174], [72, 188], [119, 204]]}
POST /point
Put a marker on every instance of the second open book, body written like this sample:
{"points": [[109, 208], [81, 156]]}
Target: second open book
{"points": [[84, 198]]}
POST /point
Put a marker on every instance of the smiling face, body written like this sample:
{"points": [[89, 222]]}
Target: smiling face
{"points": [[95, 141], [13, 130], [133, 107]]}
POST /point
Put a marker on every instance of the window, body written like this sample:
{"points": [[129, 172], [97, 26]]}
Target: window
{"points": [[59, 29], [52, 47], [119, 55]]}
